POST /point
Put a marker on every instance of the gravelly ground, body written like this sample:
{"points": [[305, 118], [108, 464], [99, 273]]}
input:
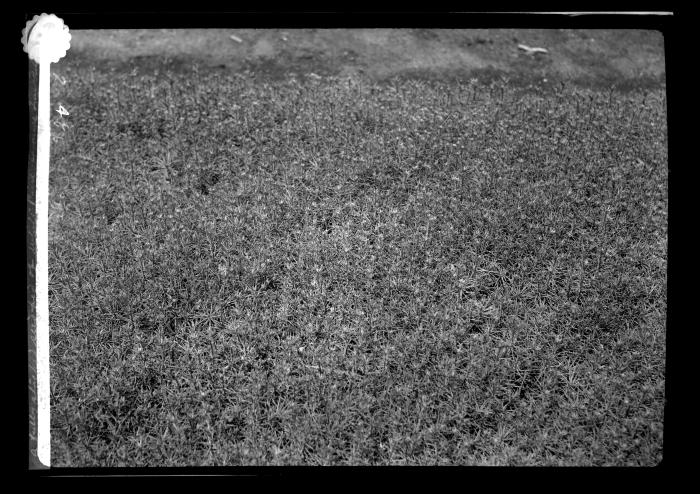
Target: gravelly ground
{"points": [[587, 57]]}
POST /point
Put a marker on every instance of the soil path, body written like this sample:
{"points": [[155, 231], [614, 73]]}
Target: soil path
{"points": [[631, 57]]}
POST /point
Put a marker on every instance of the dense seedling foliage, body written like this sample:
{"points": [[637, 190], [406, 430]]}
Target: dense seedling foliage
{"points": [[339, 271]]}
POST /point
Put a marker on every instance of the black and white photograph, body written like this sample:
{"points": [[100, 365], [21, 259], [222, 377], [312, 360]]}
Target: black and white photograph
{"points": [[364, 246]]}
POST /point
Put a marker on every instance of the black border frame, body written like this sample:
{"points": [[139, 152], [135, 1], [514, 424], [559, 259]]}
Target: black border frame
{"points": [[141, 18]]}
